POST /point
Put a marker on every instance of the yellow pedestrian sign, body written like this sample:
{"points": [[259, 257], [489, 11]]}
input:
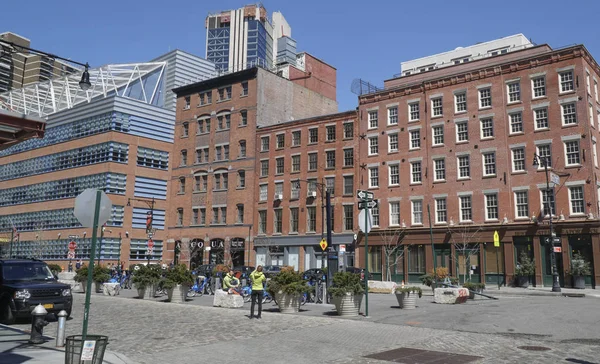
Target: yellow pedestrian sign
{"points": [[496, 239], [323, 244]]}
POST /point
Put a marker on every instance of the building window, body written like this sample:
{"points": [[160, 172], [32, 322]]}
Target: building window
{"points": [[330, 133], [441, 215], [264, 190], [185, 129], [280, 141], [242, 149], [262, 222], [489, 164], [518, 157], [296, 137], [183, 157], [200, 126], [264, 168], [595, 153], [198, 156], [415, 139], [311, 213], [206, 155], [202, 220], [516, 123], [566, 81], [417, 212], [279, 164], [278, 191], [436, 107], [415, 175], [393, 115], [514, 92], [201, 183], [313, 135], [295, 191], [487, 128], [413, 111], [373, 177], [541, 118], [545, 152], [241, 179], [438, 135], [392, 142], [244, 118], [491, 206], [539, 86], [240, 214], [485, 98], [522, 204], [278, 221], [244, 89], [462, 132], [205, 98], [548, 202], [293, 219], [394, 213], [591, 109], [348, 185], [569, 114], [596, 90], [576, 199], [295, 163], [186, 101], [466, 212], [373, 145], [223, 215], [348, 217], [464, 166], [373, 119], [180, 217], [348, 157], [330, 161], [440, 169], [375, 216], [460, 102], [181, 184], [224, 121], [224, 93], [218, 155], [348, 130], [312, 161], [264, 144], [330, 185], [394, 170], [226, 152], [572, 151]]}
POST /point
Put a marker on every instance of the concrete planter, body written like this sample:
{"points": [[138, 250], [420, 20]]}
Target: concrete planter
{"points": [[348, 305], [407, 300], [97, 287], [579, 282], [178, 294], [288, 303], [170, 294], [522, 281], [152, 290], [141, 292], [82, 285]]}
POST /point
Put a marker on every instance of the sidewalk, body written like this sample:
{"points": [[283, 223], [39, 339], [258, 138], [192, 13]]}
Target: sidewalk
{"points": [[530, 291], [14, 349]]}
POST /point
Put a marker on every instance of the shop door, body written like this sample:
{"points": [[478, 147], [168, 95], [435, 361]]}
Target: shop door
{"points": [[468, 267], [582, 244], [443, 257], [547, 264]]}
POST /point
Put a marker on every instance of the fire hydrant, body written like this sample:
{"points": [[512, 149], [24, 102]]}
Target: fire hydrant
{"points": [[38, 321]]}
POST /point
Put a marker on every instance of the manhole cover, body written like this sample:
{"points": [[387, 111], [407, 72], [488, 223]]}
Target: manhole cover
{"points": [[158, 338], [418, 356], [533, 348]]}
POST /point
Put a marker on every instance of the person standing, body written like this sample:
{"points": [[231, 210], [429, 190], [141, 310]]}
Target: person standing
{"points": [[258, 279], [78, 264]]}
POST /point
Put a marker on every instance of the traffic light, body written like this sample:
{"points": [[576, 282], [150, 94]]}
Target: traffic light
{"points": [[149, 222]]}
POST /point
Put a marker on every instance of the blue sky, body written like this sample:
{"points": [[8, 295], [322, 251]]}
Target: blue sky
{"points": [[361, 39]]}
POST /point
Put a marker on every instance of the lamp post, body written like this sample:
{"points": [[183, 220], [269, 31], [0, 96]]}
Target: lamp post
{"points": [[323, 191], [544, 161], [149, 220]]}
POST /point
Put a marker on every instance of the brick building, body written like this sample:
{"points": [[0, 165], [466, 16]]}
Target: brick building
{"points": [[459, 140], [212, 199]]}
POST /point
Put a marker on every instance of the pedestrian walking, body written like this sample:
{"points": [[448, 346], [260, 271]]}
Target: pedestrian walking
{"points": [[70, 266], [258, 280], [78, 264]]}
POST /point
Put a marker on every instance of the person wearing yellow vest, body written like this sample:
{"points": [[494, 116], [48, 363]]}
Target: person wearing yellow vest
{"points": [[258, 279]]}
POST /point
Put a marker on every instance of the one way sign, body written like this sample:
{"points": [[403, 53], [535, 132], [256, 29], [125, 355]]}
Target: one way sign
{"points": [[364, 195], [364, 204]]}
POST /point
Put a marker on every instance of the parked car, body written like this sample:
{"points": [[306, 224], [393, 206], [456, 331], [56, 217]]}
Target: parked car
{"points": [[25, 283], [271, 270], [360, 271]]}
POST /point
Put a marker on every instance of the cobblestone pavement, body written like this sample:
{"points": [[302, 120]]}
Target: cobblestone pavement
{"points": [[154, 332]]}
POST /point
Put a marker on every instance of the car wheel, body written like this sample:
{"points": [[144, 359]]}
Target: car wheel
{"points": [[6, 316]]}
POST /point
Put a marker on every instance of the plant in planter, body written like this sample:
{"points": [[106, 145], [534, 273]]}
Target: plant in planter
{"points": [[437, 277], [182, 279], [347, 292], [579, 269], [142, 279], [100, 275], [407, 297], [81, 277], [286, 287], [473, 288], [55, 269], [525, 268], [155, 273], [168, 285]]}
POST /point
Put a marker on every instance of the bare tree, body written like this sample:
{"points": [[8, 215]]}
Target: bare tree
{"points": [[466, 242], [393, 249]]}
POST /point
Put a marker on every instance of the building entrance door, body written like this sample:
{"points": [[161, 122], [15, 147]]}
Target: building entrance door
{"points": [[582, 245], [547, 264]]}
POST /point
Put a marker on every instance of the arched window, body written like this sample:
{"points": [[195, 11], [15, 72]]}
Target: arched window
{"points": [[223, 120], [221, 180], [200, 181], [203, 124]]}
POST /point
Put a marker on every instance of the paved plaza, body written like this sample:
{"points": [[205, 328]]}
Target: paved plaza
{"points": [[151, 331]]}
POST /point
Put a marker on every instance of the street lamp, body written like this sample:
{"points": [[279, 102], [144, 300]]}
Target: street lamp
{"points": [[544, 161], [149, 220]]}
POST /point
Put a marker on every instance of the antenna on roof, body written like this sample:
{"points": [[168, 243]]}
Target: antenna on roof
{"points": [[361, 87]]}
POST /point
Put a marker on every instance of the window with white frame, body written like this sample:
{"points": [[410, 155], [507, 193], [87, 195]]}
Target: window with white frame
{"points": [[394, 178], [330, 133], [548, 203], [566, 81], [296, 138], [464, 166], [279, 189], [436, 107], [415, 139], [280, 141], [487, 128], [330, 185], [393, 115], [262, 222], [491, 206], [264, 144], [591, 108], [466, 209], [588, 85], [294, 219], [518, 159], [417, 212], [330, 159], [596, 90], [440, 169], [295, 163], [489, 164], [373, 145], [514, 92], [263, 192], [395, 213], [545, 152], [595, 153], [279, 165], [348, 185], [312, 161], [539, 86], [460, 102], [516, 122], [373, 119], [541, 118], [485, 98], [348, 130], [462, 131], [264, 168], [576, 200], [415, 172], [572, 152], [348, 217], [393, 142], [294, 191], [348, 157], [374, 177], [277, 221], [522, 204], [311, 219], [413, 111], [438, 135], [569, 113], [441, 214], [313, 135], [375, 216]]}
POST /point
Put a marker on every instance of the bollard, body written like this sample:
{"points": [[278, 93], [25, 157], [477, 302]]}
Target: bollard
{"points": [[60, 331], [38, 322]]}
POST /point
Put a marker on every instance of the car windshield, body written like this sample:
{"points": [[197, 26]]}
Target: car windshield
{"points": [[26, 272]]}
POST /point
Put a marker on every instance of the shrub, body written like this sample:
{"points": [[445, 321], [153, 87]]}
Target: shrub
{"points": [[525, 266], [167, 283], [344, 283], [287, 281], [417, 290], [81, 274], [55, 268], [101, 274], [180, 274], [579, 266], [143, 277]]}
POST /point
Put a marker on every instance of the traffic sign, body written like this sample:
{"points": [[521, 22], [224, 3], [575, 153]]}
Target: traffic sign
{"points": [[555, 240], [557, 249], [342, 248], [85, 207], [364, 195], [370, 204], [150, 244], [496, 239], [149, 251], [323, 244], [71, 254], [73, 236], [554, 178], [72, 245], [361, 221]]}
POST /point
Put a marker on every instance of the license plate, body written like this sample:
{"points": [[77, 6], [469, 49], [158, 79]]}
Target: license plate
{"points": [[48, 305]]}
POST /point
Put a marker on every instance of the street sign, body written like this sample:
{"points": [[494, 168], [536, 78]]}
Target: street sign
{"points": [[554, 178], [85, 204], [150, 251], [496, 239], [557, 249], [361, 221], [342, 248], [73, 236], [323, 244], [71, 254], [364, 195], [556, 240], [72, 245], [150, 244], [370, 204]]}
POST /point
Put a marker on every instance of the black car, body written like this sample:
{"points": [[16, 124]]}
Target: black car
{"points": [[25, 283]]}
